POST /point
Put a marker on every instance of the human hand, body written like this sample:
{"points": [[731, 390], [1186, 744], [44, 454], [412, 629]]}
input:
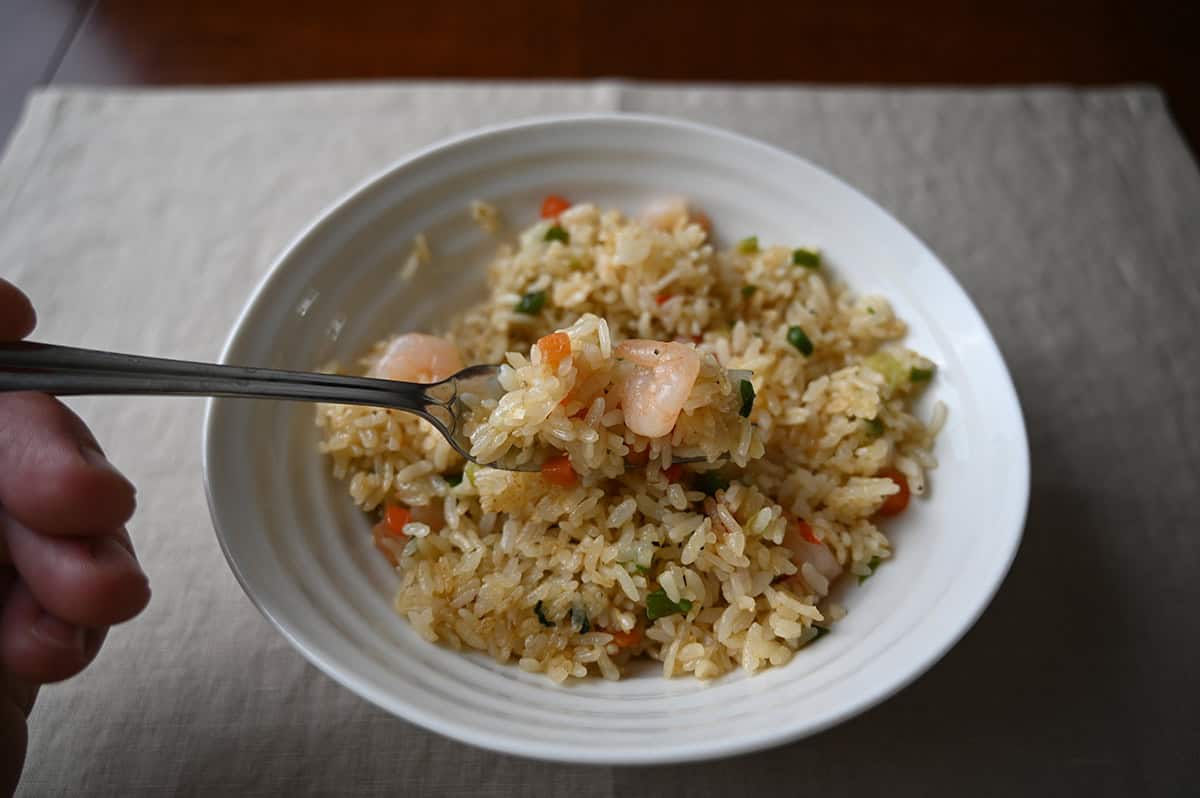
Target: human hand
{"points": [[67, 568]]}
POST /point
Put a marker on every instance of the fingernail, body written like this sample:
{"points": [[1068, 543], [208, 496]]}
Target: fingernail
{"points": [[58, 634], [96, 459]]}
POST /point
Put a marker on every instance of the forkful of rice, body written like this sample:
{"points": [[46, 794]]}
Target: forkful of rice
{"points": [[576, 404], [580, 404]]}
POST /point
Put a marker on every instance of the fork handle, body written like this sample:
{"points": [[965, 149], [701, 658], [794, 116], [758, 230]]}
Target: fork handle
{"points": [[69, 371]]}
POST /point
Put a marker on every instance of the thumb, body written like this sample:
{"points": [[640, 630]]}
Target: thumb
{"points": [[16, 313]]}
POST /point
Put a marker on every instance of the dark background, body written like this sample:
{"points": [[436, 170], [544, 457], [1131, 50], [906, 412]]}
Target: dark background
{"points": [[943, 42]]}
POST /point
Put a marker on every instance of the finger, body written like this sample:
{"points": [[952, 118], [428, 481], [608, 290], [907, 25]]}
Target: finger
{"points": [[17, 317], [14, 733], [8, 578], [53, 476], [38, 647], [93, 581], [20, 693]]}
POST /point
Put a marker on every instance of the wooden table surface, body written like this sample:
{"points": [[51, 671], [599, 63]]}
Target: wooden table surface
{"points": [[939, 42]]}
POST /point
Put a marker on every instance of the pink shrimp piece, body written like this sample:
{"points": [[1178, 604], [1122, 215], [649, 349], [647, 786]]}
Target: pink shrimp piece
{"points": [[417, 357], [652, 394], [666, 213]]}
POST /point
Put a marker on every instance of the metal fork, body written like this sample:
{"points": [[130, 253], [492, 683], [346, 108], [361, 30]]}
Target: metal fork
{"points": [[68, 371]]}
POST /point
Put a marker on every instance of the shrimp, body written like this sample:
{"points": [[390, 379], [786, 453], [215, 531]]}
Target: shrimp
{"points": [[666, 213], [416, 357], [817, 555], [653, 393]]}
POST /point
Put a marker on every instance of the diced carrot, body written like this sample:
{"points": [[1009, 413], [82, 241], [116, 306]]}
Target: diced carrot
{"points": [[675, 472], [626, 639], [554, 347], [897, 502], [662, 299], [381, 533], [802, 527], [581, 412], [397, 516], [636, 458], [554, 205], [558, 471], [806, 531]]}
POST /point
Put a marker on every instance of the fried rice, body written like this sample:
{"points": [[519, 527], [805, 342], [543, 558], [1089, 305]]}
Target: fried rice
{"points": [[800, 404]]}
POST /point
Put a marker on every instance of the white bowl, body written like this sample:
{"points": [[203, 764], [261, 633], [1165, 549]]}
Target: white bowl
{"points": [[303, 554]]}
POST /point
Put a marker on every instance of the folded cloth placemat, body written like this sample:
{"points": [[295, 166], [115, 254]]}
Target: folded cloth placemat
{"points": [[141, 220]]}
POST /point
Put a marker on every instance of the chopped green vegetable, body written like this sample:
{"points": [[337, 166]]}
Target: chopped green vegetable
{"points": [[575, 264], [532, 303], [874, 427], [748, 246], [454, 480], [643, 570], [821, 632], [920, 375], [541, 616], [747, 391], [870, 310], [798, 339], [556, 233], [748, 291], [808, 258], [659, 606], [710, 482], [887, 365], [579, 619], [873, 564]]}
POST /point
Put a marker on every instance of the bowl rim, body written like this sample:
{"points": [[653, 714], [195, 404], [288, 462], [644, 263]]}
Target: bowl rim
{"points": [[472, 735]]}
